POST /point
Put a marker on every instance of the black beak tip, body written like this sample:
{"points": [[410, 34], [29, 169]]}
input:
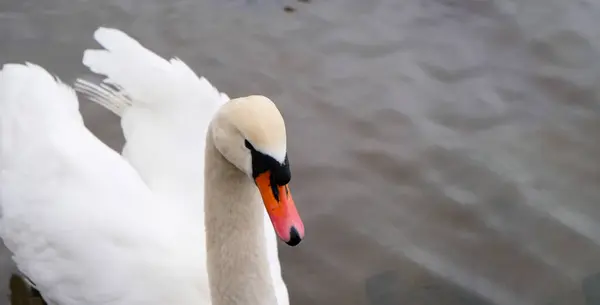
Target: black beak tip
{"points": [[295, 238]]}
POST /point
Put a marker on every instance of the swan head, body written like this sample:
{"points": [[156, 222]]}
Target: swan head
{"points": [[250, 133]]}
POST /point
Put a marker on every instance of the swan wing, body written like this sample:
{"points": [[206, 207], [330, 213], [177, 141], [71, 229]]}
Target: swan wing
{"points": [[165, 111], [79, 221]]}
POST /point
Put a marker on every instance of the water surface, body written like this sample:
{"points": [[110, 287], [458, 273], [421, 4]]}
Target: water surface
{"points": [[443, 151]]}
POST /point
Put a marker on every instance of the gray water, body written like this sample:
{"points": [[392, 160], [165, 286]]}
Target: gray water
{"points": [[443, 151]]}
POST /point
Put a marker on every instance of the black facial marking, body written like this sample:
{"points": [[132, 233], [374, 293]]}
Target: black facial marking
{"points": [[280, 173], [248, 145], [275, 190]]}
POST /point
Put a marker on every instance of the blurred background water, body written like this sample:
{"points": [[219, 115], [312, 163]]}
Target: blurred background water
{"points": [[444, 151]]}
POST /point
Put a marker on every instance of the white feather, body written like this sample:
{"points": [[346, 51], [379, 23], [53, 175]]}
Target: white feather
{"points": [[77, 217], [166, 110]]}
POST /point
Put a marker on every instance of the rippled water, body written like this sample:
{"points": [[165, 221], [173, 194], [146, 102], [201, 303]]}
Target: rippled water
{"points": [[444, 151]]}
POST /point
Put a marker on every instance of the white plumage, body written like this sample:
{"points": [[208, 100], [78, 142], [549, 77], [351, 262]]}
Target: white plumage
{"points": [[88, 226], [80, 222]]}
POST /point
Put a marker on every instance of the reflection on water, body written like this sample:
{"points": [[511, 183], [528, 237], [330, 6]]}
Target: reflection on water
{"points": [[444, 151]]}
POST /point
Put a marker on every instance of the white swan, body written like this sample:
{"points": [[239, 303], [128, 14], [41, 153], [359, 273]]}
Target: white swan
{"points": [[85, 228], [165, 108]]}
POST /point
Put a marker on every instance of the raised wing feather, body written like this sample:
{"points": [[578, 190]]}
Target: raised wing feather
{"points": [[165, 108], [78, 219]]}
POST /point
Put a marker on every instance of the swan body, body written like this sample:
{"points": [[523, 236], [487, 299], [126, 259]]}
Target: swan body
{"points": [[79, 220], [165, 110], [89, 226]]}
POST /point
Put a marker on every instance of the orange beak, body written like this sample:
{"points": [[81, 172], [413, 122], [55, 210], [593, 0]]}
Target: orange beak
{"points": [[281, 209]]}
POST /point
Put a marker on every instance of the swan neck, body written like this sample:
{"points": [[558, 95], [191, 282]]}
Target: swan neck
{"points": [[238, 268]]}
